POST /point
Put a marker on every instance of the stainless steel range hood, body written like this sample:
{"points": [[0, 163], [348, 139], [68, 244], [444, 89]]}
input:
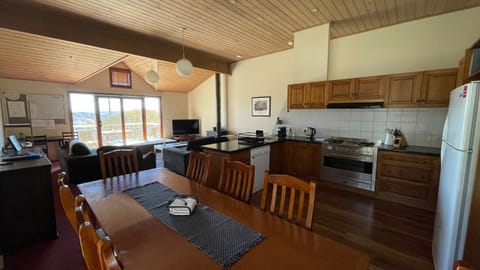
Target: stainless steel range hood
{"points": [[355, 105]]}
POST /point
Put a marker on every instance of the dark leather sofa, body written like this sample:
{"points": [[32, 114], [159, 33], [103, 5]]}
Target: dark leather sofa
{"points": [[85, 168], [176, 158]]}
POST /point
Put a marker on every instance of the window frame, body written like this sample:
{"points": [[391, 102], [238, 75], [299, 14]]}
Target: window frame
{"points": [[124, 71]]}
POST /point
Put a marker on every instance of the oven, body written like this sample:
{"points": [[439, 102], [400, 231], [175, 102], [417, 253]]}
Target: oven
{"points": [[349, 164]]}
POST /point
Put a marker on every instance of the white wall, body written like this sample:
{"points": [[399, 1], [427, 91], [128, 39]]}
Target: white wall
{"points": [[431, 43], [202, 105], [174, 105]]}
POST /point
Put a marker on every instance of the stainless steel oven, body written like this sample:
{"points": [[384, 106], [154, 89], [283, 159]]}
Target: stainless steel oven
{"points": [[350, 162]]}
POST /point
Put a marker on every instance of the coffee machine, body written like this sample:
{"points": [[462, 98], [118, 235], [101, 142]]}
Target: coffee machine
{"points": [[282, 132]]}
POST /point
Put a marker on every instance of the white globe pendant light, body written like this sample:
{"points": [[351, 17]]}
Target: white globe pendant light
{"points": [[184, 66], [152, 76]]}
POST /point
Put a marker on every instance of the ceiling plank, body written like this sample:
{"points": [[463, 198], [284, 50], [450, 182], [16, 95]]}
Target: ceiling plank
{"points": [[68, 26]]}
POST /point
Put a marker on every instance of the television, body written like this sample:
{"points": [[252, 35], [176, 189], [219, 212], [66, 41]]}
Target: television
{"points": [[185, 126]]}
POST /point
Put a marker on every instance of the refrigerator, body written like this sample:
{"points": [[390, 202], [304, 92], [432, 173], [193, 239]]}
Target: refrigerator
{"points": [[460, 147]]}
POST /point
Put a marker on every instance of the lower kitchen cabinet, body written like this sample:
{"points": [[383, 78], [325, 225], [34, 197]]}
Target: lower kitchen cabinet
{"points": [[277, 157], [303, 159], [410, 179]]}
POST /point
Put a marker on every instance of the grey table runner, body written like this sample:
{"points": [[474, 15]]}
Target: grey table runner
{"points": [[218, 236]]}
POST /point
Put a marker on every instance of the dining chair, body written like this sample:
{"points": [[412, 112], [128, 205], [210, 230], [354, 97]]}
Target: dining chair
{"points": [[461, 265], [236, 180], [74, 207], [198, 165], [88, 245], [106, 253], [67, 136], [118, 162], [39, 141], [294, 186]]}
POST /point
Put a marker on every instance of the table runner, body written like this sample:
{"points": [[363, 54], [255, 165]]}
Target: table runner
{"points": [[220, 237]]}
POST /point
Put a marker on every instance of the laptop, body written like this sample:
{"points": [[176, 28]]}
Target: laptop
{"points": [[18, 153]]}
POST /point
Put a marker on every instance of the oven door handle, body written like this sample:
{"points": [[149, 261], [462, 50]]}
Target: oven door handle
{"points": [[364, 159]]}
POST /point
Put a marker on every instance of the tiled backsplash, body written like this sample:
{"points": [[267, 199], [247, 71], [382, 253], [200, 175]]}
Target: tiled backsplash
{"points": [[421, 127]]}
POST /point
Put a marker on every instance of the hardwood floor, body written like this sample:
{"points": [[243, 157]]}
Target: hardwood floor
{"points": [[396, 237]]}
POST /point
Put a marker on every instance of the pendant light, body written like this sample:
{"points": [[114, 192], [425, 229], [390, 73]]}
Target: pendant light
{"points": [[152, 76], [184, 66]]}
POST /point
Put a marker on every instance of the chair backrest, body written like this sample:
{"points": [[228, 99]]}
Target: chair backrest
{"points": [[118, 162], [72, 205], [294, 185], [88, 244], [236, 180], [40, 141], [107, 256], [461, 265], [198, 166], [67, 136]]}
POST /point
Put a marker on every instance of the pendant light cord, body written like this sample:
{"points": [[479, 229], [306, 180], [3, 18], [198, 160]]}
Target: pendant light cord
{"points": [[183, 42]]}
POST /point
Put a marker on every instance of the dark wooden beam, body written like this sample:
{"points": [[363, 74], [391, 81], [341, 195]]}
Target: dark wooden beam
{"points": [[42, 20]]}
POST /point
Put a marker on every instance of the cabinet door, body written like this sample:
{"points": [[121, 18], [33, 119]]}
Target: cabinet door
{"points": [[315, 96], [403, 89], [303, 160], [296, 95], [339, 91], [436, 87], [369, 88], [277, 157]]}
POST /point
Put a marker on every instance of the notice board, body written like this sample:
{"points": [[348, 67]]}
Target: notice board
{"points": [[47, 107]]}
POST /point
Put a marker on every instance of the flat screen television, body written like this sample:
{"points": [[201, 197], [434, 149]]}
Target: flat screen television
{"points": [[185, 126]]}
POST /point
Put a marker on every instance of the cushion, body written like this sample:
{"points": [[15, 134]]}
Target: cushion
{"points": [[78, 148]]}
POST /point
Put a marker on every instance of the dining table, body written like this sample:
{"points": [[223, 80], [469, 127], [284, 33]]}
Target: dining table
{"points": [[142, 241]]}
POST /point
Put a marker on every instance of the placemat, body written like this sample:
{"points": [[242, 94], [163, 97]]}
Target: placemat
{"points": [[220, 237]]}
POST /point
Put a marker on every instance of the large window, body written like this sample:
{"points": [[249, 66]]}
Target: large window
{"points": [[115, 120]]}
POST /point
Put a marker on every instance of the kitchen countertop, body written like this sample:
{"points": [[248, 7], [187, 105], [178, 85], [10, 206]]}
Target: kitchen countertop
{"points": [[234, 146]]}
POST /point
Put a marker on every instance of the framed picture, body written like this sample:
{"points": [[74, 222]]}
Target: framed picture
{"points": [[261, 106], [120, 77]]}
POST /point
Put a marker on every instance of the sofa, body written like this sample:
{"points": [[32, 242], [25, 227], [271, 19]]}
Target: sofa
{"points": [[83, 165], [176, 158]]}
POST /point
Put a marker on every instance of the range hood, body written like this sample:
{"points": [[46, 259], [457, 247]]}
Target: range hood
{"points": [[355, 105]]}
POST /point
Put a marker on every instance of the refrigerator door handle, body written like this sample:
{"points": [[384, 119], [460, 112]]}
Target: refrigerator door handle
{"points": [[444, 139]]}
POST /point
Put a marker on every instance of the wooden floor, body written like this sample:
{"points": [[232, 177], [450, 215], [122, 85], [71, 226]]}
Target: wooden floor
{"points": [[396, 237]]}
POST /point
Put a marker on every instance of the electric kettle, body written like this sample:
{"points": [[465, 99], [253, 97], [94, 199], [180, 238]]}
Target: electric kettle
{"points": [[309, 132], [389, 137]]}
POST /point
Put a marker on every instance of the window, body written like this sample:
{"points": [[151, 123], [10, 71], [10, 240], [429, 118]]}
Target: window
{"points": [[120, 78], [115, 120]]}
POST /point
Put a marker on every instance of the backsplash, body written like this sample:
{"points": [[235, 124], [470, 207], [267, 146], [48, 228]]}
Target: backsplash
{"points": [[421, 127]]}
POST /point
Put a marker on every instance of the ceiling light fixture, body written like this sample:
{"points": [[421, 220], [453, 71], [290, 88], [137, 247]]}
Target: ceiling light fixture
{"points": [[152, 76], [184, 66]]}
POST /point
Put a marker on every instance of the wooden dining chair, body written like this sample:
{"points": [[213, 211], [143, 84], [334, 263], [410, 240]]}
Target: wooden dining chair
{"points": [[118, 162], [40, 141], [88, 245], [67, 136], [461, 265], [294, 186], [106, 253], [236, 180], [198, 166], [72, 206]]}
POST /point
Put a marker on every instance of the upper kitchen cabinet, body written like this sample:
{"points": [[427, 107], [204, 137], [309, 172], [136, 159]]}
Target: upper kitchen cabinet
{"points": [[436, 87], [403, 90], [469, 65], [306, 95], [364, 89]]}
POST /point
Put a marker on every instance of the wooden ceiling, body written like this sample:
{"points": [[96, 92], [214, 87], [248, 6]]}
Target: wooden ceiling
{"points": [[84, 37]]}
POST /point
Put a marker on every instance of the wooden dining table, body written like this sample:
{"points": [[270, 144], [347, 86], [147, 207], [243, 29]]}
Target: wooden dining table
{"points": [[144, 242]]}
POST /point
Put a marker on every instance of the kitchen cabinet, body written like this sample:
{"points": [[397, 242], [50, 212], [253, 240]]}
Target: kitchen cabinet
{"points": [[306, 95], [410, 179], [369, 89], [303, 159], [468, 71], [436, 87], [277, 157], [403, 90]]}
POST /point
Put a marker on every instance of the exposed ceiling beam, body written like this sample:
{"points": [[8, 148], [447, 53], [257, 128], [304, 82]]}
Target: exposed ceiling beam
{"points": [[46, 21]]}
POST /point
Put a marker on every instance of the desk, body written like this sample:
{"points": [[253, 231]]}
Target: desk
{"points": [[144, 242]]}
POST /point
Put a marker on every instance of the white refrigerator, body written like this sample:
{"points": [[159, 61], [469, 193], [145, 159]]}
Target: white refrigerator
{"points": [[460, 147]]}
